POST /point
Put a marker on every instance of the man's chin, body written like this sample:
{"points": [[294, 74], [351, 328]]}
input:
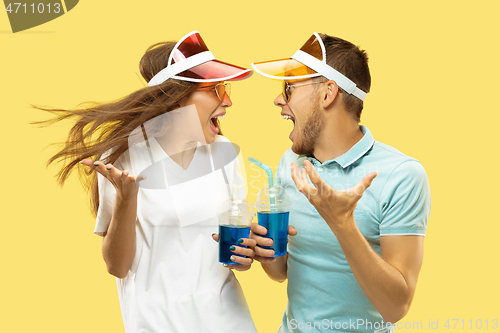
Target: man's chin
{"points": [[300, 149]]}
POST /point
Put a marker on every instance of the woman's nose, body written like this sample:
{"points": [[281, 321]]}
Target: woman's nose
{"points": [[226, 101]]}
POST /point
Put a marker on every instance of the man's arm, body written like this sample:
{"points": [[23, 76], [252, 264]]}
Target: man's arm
{"points": [[388, 281], [277, 271], [275, 268]]}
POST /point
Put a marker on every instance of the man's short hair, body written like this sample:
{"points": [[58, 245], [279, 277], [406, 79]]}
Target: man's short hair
{"points": [[351, 61]]}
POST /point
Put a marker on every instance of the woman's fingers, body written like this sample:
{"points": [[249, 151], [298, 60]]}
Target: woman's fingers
{"points": [[215, 237], [244, 251], [122, 180], [247, 242], [127, 178], [241, 260], [87, 162], [97, 165], [140, 178]]}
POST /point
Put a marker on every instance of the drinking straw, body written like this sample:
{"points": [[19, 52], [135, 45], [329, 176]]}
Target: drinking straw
{"points": [[234, 194], [266, 168], [273, 217]]}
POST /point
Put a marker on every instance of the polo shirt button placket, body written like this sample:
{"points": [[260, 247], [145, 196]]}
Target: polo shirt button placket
{"points": [[319, 169]]}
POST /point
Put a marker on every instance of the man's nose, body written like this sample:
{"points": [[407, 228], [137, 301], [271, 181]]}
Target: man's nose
{"points": [[279, 100]]}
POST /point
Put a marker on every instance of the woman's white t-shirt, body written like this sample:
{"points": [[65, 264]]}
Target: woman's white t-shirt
{"points": [[175, 283]]}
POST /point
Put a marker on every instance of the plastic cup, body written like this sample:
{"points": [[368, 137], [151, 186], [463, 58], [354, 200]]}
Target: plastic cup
{"points": [[235, 217], [273, 210]]}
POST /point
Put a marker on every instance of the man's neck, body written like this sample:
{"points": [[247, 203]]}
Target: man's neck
{"points": [[337, 137]]}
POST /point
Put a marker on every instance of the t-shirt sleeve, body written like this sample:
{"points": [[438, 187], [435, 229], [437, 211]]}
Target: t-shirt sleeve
{"points": [[107, 194], [405, 201]]}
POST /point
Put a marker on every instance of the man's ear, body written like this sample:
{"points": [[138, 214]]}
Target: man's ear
{"points": [[330, 93]]}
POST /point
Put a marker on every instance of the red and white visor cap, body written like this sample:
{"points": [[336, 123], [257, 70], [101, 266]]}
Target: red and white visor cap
{"points": [[190, 60], [309, 61]]}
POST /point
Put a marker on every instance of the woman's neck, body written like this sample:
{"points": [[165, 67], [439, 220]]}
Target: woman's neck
{"points": [[180, 150]]}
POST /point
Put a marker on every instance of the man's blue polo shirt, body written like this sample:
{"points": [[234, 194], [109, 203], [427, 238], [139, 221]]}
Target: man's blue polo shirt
{"points": [[323, 294]]}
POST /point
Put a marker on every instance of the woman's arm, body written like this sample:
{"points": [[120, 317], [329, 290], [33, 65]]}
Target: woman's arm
{"points": [[118, 245]]}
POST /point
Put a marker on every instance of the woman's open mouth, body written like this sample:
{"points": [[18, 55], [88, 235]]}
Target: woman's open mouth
{"points": [[214, 124]]}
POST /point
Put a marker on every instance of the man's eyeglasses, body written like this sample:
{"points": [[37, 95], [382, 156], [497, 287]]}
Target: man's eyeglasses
{"points": [[220, 89], [287, 88]]}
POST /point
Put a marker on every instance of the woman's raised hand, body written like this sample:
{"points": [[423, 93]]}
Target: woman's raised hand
{"points": [[125, 183]]}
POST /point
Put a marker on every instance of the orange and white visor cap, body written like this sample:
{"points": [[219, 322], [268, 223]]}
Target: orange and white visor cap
{"points": [[309, 61], [190, 60]]}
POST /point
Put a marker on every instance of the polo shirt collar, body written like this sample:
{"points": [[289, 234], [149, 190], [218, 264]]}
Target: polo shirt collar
{"points": [[355, 153]]}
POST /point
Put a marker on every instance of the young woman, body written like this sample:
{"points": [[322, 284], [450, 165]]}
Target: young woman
{"points": [[158, 171]]}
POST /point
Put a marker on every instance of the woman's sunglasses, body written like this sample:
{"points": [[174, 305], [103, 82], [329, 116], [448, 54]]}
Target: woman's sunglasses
{"points": [[220, 89]]}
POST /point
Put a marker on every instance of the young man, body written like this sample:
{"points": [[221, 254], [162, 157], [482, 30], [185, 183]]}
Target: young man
{"points": [[361, 216]]}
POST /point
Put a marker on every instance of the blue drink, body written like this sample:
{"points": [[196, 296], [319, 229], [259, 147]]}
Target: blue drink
{"points": [[229, 235], [277, 229]]}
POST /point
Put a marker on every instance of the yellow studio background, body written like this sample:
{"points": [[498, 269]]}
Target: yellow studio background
{"points": [[435, 75]]}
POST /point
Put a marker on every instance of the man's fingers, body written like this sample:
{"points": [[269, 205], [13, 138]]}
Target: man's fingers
{"points": [[365, 183], [295, 174], [291, 230], [264, 260], [370, 177], [263, 252], [313, 175], [302, 186], [215, 237], [262, 241], [258, 229], [303, 175], [239, 268]]}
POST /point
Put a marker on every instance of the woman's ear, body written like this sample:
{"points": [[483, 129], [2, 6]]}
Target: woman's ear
{"points": [[331, 91]]}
